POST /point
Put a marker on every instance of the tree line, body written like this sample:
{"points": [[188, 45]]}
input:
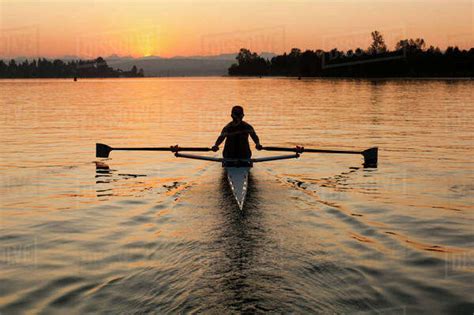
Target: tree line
{"points": [[43, 68], [410, 58]]}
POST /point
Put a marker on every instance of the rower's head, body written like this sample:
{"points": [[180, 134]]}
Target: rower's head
{"points": [[237, 113]]}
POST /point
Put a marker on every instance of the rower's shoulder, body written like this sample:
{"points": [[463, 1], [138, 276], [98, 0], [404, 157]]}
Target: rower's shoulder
{"points": [[246, 124], [241, 125]]}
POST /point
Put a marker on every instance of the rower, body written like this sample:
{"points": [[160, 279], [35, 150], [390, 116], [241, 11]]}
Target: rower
{"points": [[236, 135]]}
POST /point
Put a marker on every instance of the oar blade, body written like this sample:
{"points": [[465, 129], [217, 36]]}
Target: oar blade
{"points": [[102, 150], [371, 157]]}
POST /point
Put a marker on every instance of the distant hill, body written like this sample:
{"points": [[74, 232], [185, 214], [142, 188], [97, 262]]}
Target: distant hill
{"points": [[155, 66], [173, 67]]}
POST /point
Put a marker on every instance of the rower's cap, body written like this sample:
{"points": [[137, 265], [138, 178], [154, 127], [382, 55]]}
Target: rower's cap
{"points": [[237, 110]]}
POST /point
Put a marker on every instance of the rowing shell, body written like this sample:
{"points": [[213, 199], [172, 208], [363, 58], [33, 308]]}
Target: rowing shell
{"points": [[238, 169], [237, 176]]}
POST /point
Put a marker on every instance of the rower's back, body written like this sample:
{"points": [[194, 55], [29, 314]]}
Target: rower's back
{"points": [[236, 135], [237, 140]]}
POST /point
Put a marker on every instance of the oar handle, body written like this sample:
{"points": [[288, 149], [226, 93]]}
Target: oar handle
{"points": [[143, 149], [303, 149], [332, 151], [103, 150], [370, 155], [281, 149]]}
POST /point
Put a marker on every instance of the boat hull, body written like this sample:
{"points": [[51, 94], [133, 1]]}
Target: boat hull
{"points": [[238, 178]]}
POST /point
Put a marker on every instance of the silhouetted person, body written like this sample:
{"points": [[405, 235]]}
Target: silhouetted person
{"points": [[236, 135]]}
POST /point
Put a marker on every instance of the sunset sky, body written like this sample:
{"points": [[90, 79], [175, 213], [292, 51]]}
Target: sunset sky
{"points": [[210, 27]]}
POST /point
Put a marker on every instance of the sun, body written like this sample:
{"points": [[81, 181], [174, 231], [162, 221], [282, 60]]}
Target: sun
{"points": [[140, 42], [145, 48]]}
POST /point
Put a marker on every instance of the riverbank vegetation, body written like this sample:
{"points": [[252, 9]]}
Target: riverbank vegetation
{"points": [[43, 68], [409, 58]]}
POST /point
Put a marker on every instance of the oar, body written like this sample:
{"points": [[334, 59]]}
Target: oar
{"points": [[370, 155], [103, 150]]}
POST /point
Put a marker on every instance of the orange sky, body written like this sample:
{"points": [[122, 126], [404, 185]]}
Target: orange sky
{"points": [[184, 27]]}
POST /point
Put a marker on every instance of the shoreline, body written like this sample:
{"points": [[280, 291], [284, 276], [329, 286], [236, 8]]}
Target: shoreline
{"points": [[253, 77]]}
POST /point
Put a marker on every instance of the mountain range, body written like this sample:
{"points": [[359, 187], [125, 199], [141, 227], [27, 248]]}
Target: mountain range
{"points": [[155, 66]]}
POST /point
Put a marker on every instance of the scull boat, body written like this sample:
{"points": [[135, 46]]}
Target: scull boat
{"points": [[238, 178], [237, 170]]}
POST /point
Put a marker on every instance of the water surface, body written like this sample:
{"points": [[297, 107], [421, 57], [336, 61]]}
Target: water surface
{"points": [[147, 232]]}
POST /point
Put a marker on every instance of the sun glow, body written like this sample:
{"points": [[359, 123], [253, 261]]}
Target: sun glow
{"points": [[170, 28]]}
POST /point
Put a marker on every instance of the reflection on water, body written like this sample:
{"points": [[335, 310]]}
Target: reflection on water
{"points": [[105, 176], [238, 242], [146, 232]]}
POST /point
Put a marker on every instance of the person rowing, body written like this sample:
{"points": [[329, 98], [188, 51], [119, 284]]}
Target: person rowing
{"points": [[236, 135], [236, 159]]}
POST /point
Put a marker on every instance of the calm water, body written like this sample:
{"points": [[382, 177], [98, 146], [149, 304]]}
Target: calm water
{"points": [[152, 233]]}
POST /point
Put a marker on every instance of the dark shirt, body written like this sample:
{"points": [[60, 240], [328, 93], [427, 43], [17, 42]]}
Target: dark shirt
{"points": [[237, 140]]}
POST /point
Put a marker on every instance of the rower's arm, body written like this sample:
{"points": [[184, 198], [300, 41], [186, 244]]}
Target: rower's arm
{"points": [[219, 140], [255, 139]]}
